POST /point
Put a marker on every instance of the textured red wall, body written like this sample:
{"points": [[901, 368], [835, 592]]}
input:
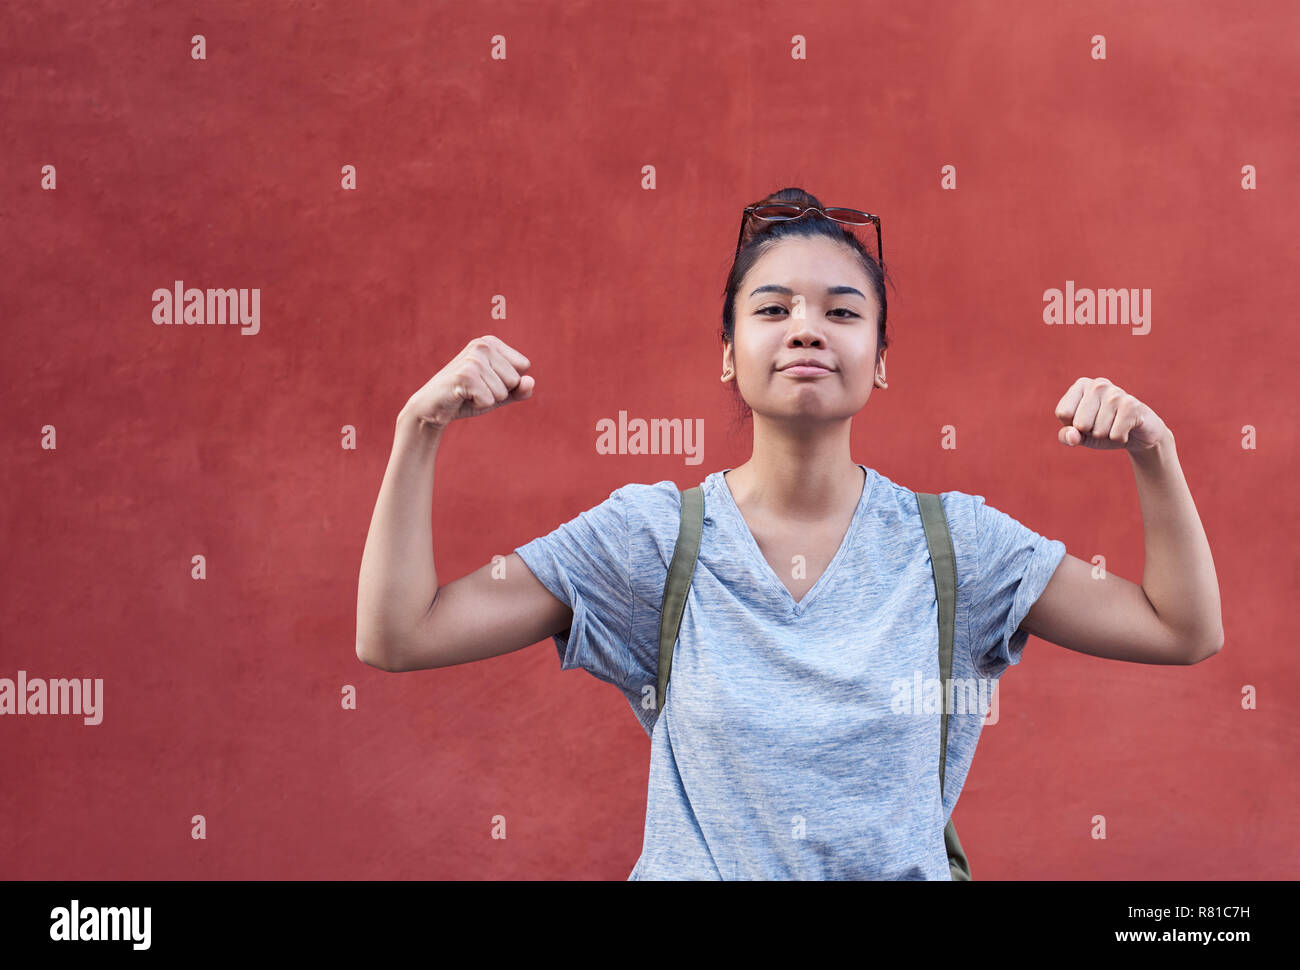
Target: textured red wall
{"points": [[524, 177]]}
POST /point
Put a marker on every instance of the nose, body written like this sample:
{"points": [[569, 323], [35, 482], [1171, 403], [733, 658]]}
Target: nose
{"points": [[801, 334]]}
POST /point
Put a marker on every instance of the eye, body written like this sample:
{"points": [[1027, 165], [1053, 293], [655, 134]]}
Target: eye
{"points": [[763, 311]]}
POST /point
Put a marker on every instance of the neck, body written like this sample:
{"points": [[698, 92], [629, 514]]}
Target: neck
{"points": [[797, 475]]}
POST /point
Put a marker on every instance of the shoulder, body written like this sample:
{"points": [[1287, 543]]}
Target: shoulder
{"points": [[654, 517], [892, 501], [899, 509], [652, 511], [649, 500]]}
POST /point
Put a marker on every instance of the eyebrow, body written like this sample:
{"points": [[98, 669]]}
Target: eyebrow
{"points": [[830, 290]]}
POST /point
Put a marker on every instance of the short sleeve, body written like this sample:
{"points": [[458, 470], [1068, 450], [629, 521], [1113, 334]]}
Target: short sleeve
{"points": [[1012, 566], [584, 563]]}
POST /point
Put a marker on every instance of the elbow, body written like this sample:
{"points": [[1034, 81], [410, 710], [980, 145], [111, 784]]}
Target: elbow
{"points": [[367, 655], [1206, 650], [372, 657]]}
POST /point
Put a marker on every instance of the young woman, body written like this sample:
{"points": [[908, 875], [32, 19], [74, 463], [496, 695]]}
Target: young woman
{"points": [[781, 751]]}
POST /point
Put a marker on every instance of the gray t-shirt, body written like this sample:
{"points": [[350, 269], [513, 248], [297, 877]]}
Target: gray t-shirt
{"points": [[798, 740]]}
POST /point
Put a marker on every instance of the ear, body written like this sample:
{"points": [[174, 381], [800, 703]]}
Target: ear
{"points": [[880, 370], [728, 363]]}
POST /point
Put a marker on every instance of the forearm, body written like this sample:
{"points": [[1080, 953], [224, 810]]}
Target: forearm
{"points": [[1178, 576], [398, 581]]}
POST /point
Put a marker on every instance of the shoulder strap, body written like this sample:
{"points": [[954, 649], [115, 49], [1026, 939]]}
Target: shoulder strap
{"points": [[680, 572], [943, 563], [944, 566]]}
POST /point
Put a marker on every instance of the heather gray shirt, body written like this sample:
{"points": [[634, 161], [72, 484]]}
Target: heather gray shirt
{"points": [[798, 740]]}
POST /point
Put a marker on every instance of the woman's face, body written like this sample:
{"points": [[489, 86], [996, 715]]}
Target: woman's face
{"points": [[823, 308]]}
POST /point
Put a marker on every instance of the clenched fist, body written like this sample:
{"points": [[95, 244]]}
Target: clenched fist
{"points": [[485, 375], [1097, 414]]}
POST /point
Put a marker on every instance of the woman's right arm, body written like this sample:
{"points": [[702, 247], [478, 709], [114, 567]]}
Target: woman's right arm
{"points": [[405, 620]]}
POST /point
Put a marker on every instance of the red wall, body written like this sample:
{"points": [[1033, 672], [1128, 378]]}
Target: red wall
{"points": [[523, 177]]}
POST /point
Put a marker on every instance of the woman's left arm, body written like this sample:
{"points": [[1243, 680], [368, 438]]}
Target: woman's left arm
{"points": [[1175, 616]]}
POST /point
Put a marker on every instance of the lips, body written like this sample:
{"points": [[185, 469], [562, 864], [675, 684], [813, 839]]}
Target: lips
{"points": [[805, 366]]}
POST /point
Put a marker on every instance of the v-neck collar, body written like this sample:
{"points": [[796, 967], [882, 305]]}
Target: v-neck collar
{"points": [[793, 606]]}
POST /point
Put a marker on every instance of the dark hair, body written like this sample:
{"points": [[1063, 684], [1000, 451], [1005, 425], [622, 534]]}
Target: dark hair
{"points": [[760, 235]]}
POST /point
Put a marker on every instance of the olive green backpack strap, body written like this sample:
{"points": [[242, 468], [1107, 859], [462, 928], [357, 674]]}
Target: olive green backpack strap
{"points": [[944, 565], [680, 572]]}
